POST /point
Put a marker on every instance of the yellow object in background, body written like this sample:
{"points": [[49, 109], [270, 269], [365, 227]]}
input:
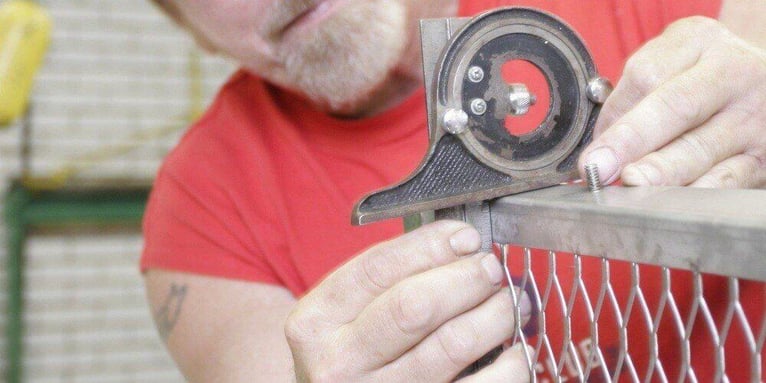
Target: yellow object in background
{"points": [[24, 35]]}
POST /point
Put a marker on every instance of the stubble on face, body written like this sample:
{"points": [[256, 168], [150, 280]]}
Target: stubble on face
{"points": [[349, 56]]}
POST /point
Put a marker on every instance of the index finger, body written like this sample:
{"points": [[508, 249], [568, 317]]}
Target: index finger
{"points": [[681, 104], [643, 72], [350, 288]]}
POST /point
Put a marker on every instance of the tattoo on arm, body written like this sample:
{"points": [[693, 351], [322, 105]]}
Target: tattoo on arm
{"points": [[167, 315]]}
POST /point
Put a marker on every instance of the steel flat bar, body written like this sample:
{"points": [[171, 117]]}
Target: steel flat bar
{"points": [[707, 230]]}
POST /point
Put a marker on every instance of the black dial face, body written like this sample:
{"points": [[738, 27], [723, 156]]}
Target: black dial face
{"points": [[489, 127], [471, 80]]}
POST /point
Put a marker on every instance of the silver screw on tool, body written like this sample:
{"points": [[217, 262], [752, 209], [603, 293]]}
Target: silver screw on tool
{"points": [[478, 106], [599, 90], [521, 99], [591, 172], [455, 121], [475, 74]]}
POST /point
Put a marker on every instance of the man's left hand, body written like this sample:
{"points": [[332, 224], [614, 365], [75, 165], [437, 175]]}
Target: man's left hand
{"points": [[690, 109]]}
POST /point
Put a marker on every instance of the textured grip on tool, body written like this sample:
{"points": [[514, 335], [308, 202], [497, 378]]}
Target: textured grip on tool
{"points": [[451, 171]]}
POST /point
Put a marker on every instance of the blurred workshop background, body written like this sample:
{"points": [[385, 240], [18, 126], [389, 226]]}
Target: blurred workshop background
{"points": [[116, 87]]}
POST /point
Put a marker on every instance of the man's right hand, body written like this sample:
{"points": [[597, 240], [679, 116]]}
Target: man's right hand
{"points": [[419, 308]]}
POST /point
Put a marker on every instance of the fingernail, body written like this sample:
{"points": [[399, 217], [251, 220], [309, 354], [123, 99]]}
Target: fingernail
{"points": [[703, 182], [525, 304], [530, 351], [639, 175], [494, 271], [465, 241], [607, 163], [521, 349]]}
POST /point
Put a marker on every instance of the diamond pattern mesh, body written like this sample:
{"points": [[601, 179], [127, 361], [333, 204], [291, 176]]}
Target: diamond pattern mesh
{"points": [[599, 320]]}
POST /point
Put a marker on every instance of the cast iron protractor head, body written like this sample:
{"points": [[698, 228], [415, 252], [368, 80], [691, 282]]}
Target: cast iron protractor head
{"points": [[472, 156]]}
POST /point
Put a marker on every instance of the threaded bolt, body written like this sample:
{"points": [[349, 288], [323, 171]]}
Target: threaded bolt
{"points": [[591, 173]]}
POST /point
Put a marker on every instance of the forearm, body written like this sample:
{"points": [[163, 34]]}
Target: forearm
{"points": [[221, 330]]}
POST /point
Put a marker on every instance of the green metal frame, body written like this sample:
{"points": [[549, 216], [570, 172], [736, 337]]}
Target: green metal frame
{"points": [[27, 209]]}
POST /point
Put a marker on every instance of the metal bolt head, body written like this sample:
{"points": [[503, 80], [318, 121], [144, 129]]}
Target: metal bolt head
{"points": [[520, 99], [599, 90], [455, 121], [475, 74], [478, 106]]}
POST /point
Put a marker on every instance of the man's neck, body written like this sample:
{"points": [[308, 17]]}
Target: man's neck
{"points": [[395, 91]]}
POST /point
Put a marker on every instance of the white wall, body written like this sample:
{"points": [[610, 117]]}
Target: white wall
{"points": [[116, 76]]}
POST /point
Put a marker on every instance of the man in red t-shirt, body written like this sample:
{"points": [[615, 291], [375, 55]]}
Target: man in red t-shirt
{"points": [[252, 269]]}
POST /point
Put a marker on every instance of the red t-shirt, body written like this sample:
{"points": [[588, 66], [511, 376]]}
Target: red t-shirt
{"points": [[261, 188]]}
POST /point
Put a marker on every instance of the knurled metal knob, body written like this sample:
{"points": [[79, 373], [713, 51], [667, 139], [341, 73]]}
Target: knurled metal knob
{"points": [[521, 99]]}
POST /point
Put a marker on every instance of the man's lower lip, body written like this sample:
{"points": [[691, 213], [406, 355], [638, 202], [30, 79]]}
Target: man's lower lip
{"points": [[311, 16]]}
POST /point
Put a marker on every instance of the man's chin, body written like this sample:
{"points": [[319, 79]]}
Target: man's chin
{"points": [[355, 107], [349, 59]]}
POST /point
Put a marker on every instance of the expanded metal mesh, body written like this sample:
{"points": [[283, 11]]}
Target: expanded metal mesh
{"points": [[600, 320]]}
